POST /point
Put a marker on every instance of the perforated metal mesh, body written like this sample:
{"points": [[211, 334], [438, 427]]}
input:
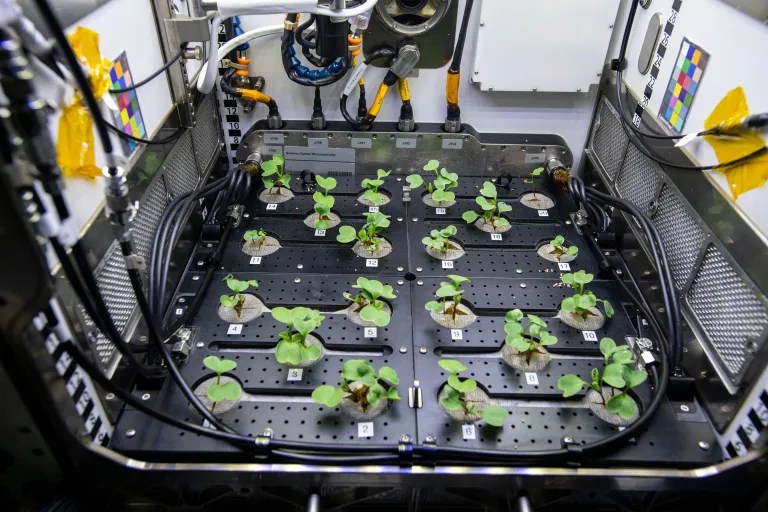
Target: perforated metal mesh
{"points": [[681, 235], [609, 142], [731, 314], [144, 225], [207, 132], [639, 179]]}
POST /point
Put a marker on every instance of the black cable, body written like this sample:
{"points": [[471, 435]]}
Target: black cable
{"points": [[359, 122], [458, 53], [154, 75], [300, 33], [346, 460], [120, 133]]}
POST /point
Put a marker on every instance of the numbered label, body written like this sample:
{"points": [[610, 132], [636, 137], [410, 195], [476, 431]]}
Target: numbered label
{"points": [[496, 236], [453, 143], [589, 335], [532, 379], [272, 206], [179, 311], [370, 332], [274, 138], [256, 260], [373, 209], [565, 267], [439, 211], [762, 413], [365, 429], [319, 232], [468, 432], [372, 263], [235, 329], [295, 374], [447, 264], [457, 334], [543, 213]]}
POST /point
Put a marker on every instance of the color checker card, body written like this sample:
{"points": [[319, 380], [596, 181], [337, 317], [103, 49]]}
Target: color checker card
{"points": [[683, 85]]}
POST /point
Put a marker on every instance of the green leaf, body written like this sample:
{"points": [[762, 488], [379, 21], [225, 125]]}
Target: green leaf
{"points": [[346, 234], [227, 301], [432, 165], [457, 279], [310, 353], [573, 251], [568, 305], [536, 321], [494, 415], [288, 353], [371, 313], [356, 369], [514, 315], [389, 375], [470, 217], [546, 339], [503, 207], [282, 315], [500, 222], [450, 176], [518, 342], [613, 375], [373, 196], [228, 391], [557, 241], [251, 234], [329, 396], [446, 290], [488, 190], [451, 365], [537, 171], [462, 386], [326, 184], [623, 355], [268, 182], [607, 347], [623, 405], [322, 224], [534, 329], [381, 173], [278, 159], [570, 384], [513, 328], [608, 309], [392, 394], [268, 168], [388, 292], [375, 393], [485, 204], [434, 306], [321, 199], [219, 366], [285, 180], [567, 279], [414, 181], [582, 277], [635, 377], [584, 301], [452, 400], [443, 195], [448, 231]]}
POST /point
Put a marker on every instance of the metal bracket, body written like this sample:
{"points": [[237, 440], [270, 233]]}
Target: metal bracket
{"points": [[229, 64], [135, 262], [414, 396], [189, 29]]}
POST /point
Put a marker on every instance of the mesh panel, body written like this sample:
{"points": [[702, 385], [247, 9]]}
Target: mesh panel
{"points": [[729, 311], [639, 179], [145, 224], [116, 288], [180, 168], [681, 236], [609, 142], [206, 133]]}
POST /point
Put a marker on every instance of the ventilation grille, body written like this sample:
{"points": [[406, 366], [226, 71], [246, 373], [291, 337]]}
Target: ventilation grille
{"points": [[206, 136], [609, 142], [180, 168], [145, 224], [732, 316], [681, 236], [639, 179]]}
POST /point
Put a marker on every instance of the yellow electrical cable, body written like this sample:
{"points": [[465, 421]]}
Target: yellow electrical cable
{"points": [[405, 93], [452, 88], [252, 94], [378, 101]]}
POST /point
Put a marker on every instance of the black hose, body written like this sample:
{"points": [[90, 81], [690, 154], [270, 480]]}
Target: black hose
{"points": [[154, 75], [458, 53]]}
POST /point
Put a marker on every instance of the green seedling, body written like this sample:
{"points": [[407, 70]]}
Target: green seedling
{"points": [[582, 299], [448, 290], [292, 347], [369, 305], [558, 247], [618, 373], [532, 177], [439, 240], [273, 174], [492, 208], [529, 339], [217, 391], [369, 234], [372, 390], [371, 187], [456, 390], [258, 236], [324, 201], [237, 299], [441, 187]]}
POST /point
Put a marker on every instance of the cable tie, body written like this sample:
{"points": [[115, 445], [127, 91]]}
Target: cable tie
{"points": [[405, 451], [618, 64]]}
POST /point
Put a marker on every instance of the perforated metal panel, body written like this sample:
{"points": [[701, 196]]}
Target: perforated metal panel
{"points": [[639, 179], [206, 136], [734, 318], [608, 142], [681, 235], [180, 168]]}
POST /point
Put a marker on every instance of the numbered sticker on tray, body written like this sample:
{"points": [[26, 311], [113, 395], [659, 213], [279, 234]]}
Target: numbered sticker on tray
{"points": [[543, 213], [496, 237], [370, 332], [373, 209], [589, 335], [532, 379], [365, 429], [439, 211], [468, 432], [373, 263], [565, 267], [272, 206], [179, 311], [256, 260], [447, 264], [457, 334], [235, 329], [295, 374], [319, 232]]}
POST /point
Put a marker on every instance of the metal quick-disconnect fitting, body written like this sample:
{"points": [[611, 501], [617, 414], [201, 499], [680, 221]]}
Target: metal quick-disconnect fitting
{"points": [[407, 57], [452, 125], [119, 208]]}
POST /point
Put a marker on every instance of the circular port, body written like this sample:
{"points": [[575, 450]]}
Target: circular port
{"points": [[412, 17]]}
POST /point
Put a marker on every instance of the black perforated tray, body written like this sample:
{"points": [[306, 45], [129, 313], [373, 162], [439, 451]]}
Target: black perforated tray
{"points": [[315, 271]]}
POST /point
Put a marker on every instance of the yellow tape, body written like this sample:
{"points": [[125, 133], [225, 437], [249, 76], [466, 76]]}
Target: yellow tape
{"points": [[452, 88], [252, 94], [378, 101], [74, 140], [405, 93], [751, 174]]}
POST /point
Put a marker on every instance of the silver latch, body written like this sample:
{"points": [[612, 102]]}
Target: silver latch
{"points": [[414, 396]]}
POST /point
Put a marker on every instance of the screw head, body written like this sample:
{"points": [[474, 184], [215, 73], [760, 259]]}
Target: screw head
{"points": [[297, 280], [420, 282], [246, 215], [523, 285], [518, 271], [403, 350], [195, 278], [182, 300], [145, 396], [200, 344], [400, 282], [405, 438], [567, 440], [299, 266], [399, 219], [142, 338], [415, 219], [568, 223], [419, 269], [400, 269], [684, 408], [422, 350], [429, 438], [704, 445], [130, 432], [109, 396]]}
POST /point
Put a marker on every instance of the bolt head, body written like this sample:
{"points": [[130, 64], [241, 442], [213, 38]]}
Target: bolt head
{"points": [[299, 266], [400, 269], [420, 282], [195, 278], [415, 219], [567, 439], [419, 269], [297, 280], [200, 344], [422, 350], [130, 432], [684, 408], [400, 282], [523, 285], [145, 396], [518, 271], [110, 396], [704, 445], [405, 438], [403, 350]]}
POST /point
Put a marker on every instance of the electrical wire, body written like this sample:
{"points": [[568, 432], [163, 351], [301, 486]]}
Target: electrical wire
{"points": [[154, 75], [207, 78], [355, 77], [454, 70], [127, 136]]}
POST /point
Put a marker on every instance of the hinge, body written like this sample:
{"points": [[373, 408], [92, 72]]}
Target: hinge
{"points": [[414, 396]]}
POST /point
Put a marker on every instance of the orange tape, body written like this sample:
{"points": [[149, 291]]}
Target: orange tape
{"points": [[244, 61], [355, 45], [452, 88], [252, 94]]}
